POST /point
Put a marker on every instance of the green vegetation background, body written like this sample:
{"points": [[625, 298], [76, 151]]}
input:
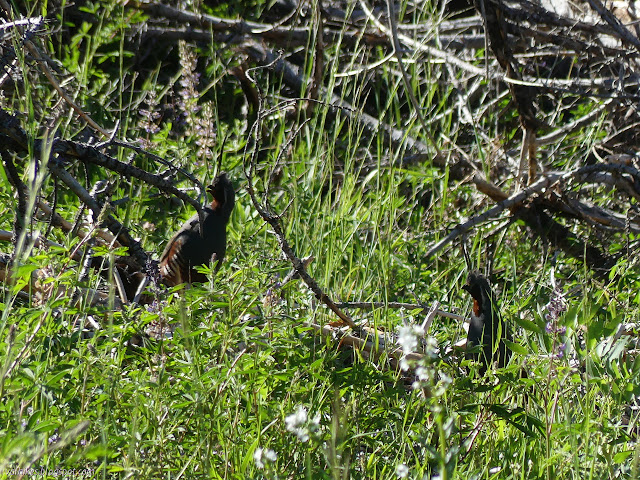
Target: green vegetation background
{"points": [[214, 401]]}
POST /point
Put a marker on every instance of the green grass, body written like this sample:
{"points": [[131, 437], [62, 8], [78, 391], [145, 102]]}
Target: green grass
{"points": [[202, 403]]}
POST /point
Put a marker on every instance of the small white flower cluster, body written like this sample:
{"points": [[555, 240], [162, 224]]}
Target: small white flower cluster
{"points": [[431, 348], [408, 336], [298, 422], [402, 471], [423, 374], [262, 455]]}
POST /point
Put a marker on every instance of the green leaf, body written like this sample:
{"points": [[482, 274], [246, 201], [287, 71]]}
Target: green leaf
{"points": [[516, 347], [511, 416], [528, 325], [622, 456]]}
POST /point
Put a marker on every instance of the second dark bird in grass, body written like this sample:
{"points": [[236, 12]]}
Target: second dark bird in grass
{"points": [[189, 248], [486, 328]]}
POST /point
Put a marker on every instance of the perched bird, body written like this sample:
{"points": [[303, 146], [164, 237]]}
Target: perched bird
{"points": [[189, 248], [486, 328]]}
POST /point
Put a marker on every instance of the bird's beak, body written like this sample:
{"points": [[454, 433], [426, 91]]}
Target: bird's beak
{"points": [[467, 287]]}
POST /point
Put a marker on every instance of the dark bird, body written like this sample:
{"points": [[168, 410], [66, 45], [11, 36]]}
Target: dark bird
{"points": [[486, 327], [189, 249]]}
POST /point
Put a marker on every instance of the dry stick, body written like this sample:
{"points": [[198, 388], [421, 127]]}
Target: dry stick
{"points": [[159, 159], [625, 35], [10, 126], [121, 233], [57, 220], [300, 266], [49, 74], [488, 188], [396, 137], [574, 125], [408, 306], [596, 216], [589, 85], [582, 174], [90, 154], [371, 38], [552, 19], [534, 219], [432, 51], [266, 31], [452, 59], [493, 212], [523, 97], [569, 40], [600, 217], [273, 220], [297, 263]]}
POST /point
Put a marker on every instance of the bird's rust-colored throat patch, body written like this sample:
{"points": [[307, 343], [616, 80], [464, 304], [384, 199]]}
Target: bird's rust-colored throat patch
{"points": [[476, 307]]}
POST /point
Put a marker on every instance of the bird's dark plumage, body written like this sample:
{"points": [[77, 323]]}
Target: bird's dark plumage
{"points": [[189, 249], [486, 327]]}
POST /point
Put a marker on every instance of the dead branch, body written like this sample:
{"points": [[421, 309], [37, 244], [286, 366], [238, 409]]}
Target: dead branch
{"points": [[408, 306], [298, 264], [119, 231], [396, 137], [39, 58], [41, 287], [286, 34], [45, 213], [622, 32], [517, 199], [10, 129], [543, 224]]}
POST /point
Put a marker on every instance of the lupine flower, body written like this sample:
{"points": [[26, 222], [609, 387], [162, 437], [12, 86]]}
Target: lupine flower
{"points": [[189, 80], [149, 115], [557, 306]]}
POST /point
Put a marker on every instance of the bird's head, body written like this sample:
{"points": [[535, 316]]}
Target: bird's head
{"points": [[479, 288], [477, 284], [223, 194]]}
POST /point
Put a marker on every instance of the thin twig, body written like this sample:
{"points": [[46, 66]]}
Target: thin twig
{"points": [[35, 52], [495, 211], [407, 306], [121, 233]]}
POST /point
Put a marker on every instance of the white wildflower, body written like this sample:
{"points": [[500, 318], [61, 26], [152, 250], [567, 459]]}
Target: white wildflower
{"points": [[431, 348], [408, 337], [422, 374], [262, 454], [297, 423], [402, 471], [445, 379], [404, 365]]}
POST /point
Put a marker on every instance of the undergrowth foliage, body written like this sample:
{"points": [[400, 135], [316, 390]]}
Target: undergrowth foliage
{"points": [[367, 156]]}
